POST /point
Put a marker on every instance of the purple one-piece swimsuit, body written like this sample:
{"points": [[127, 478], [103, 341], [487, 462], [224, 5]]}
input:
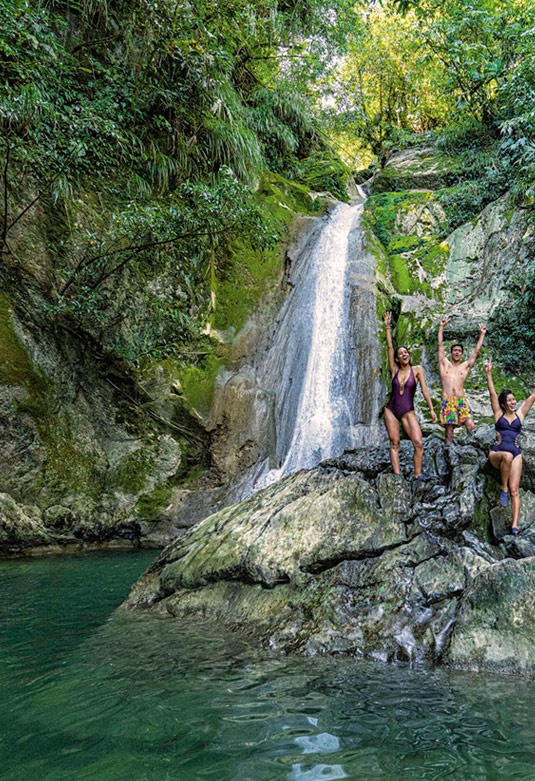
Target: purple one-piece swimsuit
{"points": [[401, 403]]}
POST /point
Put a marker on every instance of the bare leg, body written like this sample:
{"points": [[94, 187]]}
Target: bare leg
{"points": [[470, 425], [502, 460], [412, 429], [514, 482], [392, 427], [449, 432]]}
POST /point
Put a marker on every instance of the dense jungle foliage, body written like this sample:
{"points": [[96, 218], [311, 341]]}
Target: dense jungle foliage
{"points": [[459, 76], [162, 117]]}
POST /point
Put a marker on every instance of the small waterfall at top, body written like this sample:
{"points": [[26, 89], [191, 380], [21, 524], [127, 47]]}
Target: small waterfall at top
{"points": [[323, 362]]}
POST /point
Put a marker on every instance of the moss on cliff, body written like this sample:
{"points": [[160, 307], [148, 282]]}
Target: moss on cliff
{"points": [[132, 473], [198, 382], [413, 261], [16, 367], [66, 467], [245, 275], [152, 503], [380, 214], [248, 271], [251, 272]]}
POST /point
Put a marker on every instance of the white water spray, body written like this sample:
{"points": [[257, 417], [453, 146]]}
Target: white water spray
{"points": [[322, 364]]}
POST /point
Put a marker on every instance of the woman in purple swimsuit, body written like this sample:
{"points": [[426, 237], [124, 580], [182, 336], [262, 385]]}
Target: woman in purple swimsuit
{"points": [[505, 454], [400, 406]]}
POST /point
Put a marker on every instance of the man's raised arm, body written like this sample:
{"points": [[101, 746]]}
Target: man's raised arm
{"points": [[475, 352], [441, 354]]}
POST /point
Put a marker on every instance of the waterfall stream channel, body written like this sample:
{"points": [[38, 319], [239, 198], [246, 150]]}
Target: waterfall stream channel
{"points": [[323, 364]]}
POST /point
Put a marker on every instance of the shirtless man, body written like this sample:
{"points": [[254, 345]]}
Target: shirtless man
{"points": [[455, 409]]}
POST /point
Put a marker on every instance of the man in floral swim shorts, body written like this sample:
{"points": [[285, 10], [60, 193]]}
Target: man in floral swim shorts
{"points": [[455, 409]]}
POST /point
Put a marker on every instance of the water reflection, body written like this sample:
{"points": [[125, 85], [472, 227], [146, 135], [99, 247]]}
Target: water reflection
{"points": [[153, 699], [323, 743], [317, 773]]}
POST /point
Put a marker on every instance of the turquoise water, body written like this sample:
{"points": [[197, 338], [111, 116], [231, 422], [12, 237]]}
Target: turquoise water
{"points": [[91, 695]]}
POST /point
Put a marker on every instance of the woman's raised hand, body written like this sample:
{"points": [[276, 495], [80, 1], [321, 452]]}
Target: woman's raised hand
{"points": [[387, 317], [488, 365]]}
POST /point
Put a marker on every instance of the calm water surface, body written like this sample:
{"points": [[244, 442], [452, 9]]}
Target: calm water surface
{"points": [[91, 695]]}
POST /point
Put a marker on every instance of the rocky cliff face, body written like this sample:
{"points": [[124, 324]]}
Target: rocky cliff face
{"points": [[76, 454], [349, 558], [95, 452], [425, 270], [85, 455]]}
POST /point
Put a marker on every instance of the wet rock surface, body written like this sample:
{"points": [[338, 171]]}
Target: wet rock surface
{"points": [[349, 558]]}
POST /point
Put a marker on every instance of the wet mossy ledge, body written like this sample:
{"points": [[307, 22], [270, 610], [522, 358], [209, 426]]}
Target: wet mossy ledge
{"points": [[350, 559]]}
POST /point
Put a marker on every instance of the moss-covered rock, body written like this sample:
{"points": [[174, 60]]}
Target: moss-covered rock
{"points": [[344, 558], [495, 626], [21, 527], [424, 168]]}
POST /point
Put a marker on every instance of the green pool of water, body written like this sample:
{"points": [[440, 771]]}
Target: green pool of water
{"points": [[86, 694]]}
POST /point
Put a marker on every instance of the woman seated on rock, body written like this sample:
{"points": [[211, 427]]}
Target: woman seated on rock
{"points": [[505, 454], [400, 406]]}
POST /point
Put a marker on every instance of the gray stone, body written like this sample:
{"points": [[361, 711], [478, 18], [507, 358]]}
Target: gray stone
{"points": [[500, 521], [58, 517], [259, 541], [521, 547], [488, 552], [21, 526], [496, 621], [440, 578], [394, 494]]}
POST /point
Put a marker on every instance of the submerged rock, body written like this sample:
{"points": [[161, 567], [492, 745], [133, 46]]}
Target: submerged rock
{"points": [[349, 558]]}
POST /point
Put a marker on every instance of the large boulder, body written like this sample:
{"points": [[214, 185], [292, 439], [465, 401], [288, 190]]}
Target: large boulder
{"points": [[418, 168], [21, 526], [495, 626], [347, 558]]}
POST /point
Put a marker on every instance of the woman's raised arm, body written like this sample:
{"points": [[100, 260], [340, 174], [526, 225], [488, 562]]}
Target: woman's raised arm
{"points": [[497, 410], [526, 406], [387, 317]]}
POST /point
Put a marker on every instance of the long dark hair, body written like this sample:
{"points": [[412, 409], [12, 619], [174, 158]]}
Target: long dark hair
{"points": [[502, 398], [402, 347]]}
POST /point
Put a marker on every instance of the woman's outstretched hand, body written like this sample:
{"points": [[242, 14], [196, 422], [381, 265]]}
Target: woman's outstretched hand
{"points": [[488, 365], [387, 317]]}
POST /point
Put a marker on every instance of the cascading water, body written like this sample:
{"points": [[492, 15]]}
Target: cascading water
{"points": [[323, 363]]}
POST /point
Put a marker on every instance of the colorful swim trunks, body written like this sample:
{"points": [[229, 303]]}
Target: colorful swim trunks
{"points": [[455, 410]]}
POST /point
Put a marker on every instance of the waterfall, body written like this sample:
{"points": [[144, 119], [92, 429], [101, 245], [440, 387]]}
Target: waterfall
{"points": [[323, 363]]}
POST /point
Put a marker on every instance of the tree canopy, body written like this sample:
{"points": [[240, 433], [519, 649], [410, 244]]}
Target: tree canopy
{"points": [[168, 111]]}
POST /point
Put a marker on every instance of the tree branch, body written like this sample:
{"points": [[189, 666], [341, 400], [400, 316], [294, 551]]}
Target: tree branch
{"points": [[42, 190], [6, 188], [135, 251]]}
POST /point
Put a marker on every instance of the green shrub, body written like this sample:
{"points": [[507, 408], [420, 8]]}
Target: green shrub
{"points": [[512, 328]]}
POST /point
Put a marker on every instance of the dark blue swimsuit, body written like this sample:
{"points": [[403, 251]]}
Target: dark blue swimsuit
{"points": [[507, 435]]}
